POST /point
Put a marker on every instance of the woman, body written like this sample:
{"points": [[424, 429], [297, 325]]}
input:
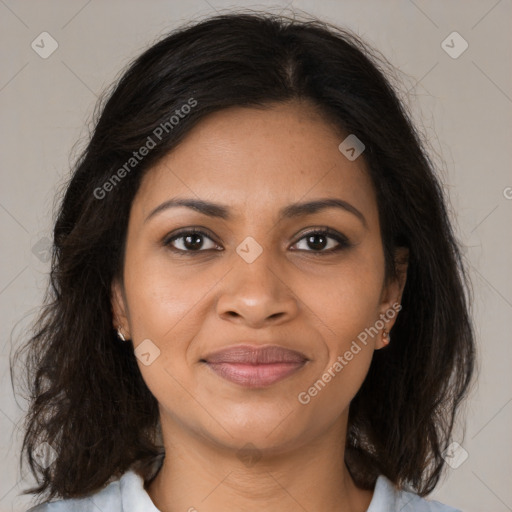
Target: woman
{"points": [[257, 299]]}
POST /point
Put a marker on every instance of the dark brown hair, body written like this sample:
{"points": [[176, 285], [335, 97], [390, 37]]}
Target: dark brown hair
{"points": [[87, 397]]}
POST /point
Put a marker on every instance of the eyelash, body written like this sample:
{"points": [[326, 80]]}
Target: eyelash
{"points": [[341, 239]]}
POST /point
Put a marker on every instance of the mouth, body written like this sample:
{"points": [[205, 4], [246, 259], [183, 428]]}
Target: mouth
{"points": [[255, 367]]}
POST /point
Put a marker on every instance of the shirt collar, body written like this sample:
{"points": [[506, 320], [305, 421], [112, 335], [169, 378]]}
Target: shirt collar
{"points": [[134, 497]]}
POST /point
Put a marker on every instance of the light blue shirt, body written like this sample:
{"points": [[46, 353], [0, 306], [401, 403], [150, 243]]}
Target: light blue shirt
{"points": [[128, 495]]}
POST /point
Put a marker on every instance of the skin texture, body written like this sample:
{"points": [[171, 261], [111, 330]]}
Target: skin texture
{"points": [[255, 162]]}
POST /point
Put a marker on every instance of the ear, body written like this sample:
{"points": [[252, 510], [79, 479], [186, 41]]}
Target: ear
{"points": [[391, 296], [119, 309]]}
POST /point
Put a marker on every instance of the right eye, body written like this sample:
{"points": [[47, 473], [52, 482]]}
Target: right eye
{"points": [[190, 240]]}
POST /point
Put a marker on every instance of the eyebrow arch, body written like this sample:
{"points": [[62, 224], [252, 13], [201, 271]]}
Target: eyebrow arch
{"points": [[288, 212]]}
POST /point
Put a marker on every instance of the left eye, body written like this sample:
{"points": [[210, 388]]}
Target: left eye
{"points": [[319, 241]]}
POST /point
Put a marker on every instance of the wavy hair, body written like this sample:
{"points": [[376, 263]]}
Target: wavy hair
{"points": [[87, 398]]}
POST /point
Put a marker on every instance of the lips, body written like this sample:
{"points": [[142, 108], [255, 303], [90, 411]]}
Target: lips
{"points": [[255, 367], [247, 354]]}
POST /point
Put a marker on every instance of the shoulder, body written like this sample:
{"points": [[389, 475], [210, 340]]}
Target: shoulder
{"points": [[129, 489], [108, 498], [387, 498]]}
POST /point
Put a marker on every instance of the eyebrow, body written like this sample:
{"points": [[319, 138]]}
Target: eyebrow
{"points": [[288, 212]]}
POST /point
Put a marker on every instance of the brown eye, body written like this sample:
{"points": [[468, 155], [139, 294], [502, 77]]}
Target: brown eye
{"points": [[190, 241], [321, 241]]}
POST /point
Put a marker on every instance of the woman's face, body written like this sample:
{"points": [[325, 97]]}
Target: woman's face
{"points": [[255, 278]]}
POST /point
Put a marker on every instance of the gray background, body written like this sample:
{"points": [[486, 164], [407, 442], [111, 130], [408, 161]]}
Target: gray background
{"points": [[463, 105]]}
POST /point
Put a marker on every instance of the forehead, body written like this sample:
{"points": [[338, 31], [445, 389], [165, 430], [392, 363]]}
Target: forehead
{"points": [[254, 159]]}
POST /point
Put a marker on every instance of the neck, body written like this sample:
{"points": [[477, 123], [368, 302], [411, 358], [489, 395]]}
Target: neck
{"points": [[198, 475]]}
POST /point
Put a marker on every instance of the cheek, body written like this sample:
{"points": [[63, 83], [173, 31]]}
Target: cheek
{"points": [[164, 308], [348, 348], [168, 304], [346, 298], [348, 306], [164, 297]]}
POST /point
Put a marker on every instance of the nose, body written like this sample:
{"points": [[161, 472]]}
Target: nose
{"points": [[256, 294]]}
